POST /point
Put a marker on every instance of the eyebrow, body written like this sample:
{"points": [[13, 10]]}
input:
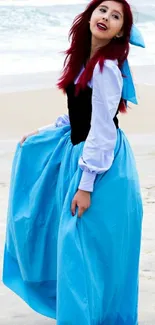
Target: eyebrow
{"points": [[103, 6]]}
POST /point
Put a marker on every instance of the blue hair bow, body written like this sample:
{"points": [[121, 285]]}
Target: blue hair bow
{"points": [[129, 92]]}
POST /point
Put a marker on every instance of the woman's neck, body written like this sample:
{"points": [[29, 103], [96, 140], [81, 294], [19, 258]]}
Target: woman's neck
{"points": [[96, 45]]}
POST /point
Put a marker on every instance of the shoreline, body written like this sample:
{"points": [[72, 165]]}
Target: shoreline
{"points": [[11, 83], [28, 81], [24, 111]]}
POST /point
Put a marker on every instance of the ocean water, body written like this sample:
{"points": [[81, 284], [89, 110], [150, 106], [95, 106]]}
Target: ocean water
{"points": [[33, 34]]}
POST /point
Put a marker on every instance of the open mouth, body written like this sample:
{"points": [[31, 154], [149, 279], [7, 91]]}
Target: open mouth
{"points": [[102, 26]]}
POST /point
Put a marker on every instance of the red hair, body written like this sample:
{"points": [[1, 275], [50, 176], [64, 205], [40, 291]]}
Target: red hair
{"points": [[79, 51]]}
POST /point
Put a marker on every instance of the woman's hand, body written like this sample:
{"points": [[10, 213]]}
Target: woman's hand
{"points": [[27, 136], [82, 201]]}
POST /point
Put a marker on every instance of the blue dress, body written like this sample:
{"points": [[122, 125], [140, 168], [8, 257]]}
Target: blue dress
{"points": [[78, 271]]}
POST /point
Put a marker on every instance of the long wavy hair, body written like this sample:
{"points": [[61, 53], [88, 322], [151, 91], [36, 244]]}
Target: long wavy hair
{"points": [[79, 51]]}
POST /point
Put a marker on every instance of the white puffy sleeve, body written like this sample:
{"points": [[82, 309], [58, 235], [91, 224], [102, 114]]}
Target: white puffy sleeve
{"points": [[98, 151]]}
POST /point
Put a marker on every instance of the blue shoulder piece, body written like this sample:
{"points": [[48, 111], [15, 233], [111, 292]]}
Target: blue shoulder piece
{"points": [[129, 92], [136, 37]]}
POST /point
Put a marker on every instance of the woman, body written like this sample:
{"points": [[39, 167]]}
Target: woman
{"points": [[81, 270]]}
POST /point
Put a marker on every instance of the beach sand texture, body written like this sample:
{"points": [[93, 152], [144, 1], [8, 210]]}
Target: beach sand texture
{"points": [[22, 112]]}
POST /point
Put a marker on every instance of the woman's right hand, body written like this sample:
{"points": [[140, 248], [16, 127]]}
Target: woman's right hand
{"points": [[27, 136]]}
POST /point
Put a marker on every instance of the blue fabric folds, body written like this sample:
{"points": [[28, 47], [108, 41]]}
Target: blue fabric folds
{"points": [[79, 271]]}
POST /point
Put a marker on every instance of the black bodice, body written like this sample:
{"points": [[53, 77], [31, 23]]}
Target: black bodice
{"points": [[80, 110]]}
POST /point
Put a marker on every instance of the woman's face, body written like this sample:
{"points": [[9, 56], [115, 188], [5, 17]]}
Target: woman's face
{"points": [[107, 21]]}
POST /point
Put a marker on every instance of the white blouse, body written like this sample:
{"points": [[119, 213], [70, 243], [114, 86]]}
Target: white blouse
{"points": [[98, 151]]}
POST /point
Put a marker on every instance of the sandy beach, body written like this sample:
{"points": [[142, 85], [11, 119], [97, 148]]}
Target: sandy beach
{"points": [[25, 110]]}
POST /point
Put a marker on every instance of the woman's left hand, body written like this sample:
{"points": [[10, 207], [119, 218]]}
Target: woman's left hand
{"points": [[82, 201]]}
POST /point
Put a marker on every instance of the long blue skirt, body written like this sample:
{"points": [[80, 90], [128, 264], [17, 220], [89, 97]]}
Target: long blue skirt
{"points": [[78, 271]]}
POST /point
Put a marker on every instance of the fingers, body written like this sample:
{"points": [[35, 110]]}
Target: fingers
{"points": [[73, 207], [80, 201], [28, 135], [80, 212], [23, 139]]}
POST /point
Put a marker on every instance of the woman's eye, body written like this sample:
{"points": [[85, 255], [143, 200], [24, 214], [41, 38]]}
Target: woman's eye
{"points": [[103, 10], [116, 16]]}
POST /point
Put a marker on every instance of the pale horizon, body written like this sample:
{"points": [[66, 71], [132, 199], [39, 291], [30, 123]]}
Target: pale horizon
{"points": [[40, 2]]}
